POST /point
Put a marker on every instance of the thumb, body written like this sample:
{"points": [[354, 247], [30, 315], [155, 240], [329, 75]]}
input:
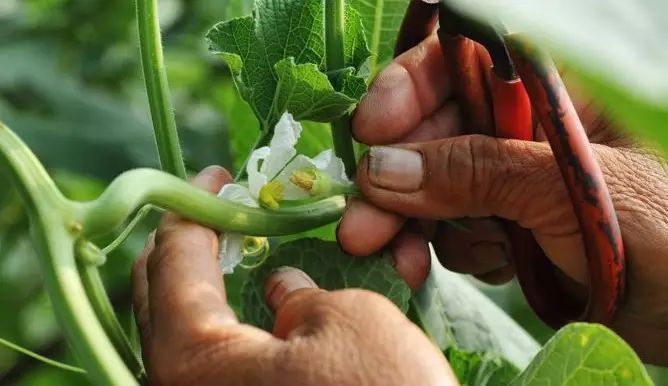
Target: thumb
{"points": [[467, 176]]}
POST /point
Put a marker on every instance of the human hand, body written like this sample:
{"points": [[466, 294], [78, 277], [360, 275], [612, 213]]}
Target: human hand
{"points": [[190, 336], [433, 175]]}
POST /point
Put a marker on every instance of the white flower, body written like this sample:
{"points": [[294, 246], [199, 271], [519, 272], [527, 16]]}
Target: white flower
{"points": [[277, 173]]}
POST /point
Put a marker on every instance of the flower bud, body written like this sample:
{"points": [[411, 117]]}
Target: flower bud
{"points": [[254, 246]]}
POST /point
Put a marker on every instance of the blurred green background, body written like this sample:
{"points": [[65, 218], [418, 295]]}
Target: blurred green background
{"points": [[71, 87]]}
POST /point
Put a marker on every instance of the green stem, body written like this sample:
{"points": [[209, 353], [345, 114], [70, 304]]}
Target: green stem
{"points": [[97, 295], [262, 140], [41, 358], [335, 60], [54, 232], [343, 144], [135, 188], [157, 88]]}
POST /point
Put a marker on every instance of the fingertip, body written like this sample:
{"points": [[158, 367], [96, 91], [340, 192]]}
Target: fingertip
{"points": [[353, 232], [283, 282], [212, 178], [411, 256], [390, 110]]}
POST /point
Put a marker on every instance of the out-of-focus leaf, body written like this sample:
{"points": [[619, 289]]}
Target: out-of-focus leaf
{"points": [[381, 19], [277, 60], [617, 47], [67, 124], [238, 8], [456, 314], [330, 268], [480, 369], [241, 121], [585, 354]]}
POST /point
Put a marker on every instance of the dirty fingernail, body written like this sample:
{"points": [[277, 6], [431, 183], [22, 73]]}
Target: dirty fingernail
{"points": [[282, 282], [399, 170]]}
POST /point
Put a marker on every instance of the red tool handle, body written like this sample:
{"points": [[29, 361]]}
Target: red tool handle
{"points": [[584, 180], [534, 271], [495, 106]]}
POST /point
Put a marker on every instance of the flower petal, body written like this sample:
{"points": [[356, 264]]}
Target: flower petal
{"points": [[332, 166], [239, 194], [282, 146], [256, 180], [230, 251]]}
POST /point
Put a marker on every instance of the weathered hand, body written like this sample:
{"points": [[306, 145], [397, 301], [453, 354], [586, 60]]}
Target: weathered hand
{"points": [[433, 176], [190, 336]]}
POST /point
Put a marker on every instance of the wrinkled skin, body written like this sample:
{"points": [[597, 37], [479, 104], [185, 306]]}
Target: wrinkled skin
{"points": [[410, 105], [190, 335]]}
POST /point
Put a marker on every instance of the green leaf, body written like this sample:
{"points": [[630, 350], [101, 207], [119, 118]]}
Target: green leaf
{"points": [[381, 19], [454, 313], [276, 57], [480, 369], [585, 354], [618, 48], [330, 268]]}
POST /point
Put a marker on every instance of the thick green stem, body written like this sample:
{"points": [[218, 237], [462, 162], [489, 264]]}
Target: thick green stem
{"points": [[90, 276], [54, 233], [147, 186], [157, 88], [335, 60]]}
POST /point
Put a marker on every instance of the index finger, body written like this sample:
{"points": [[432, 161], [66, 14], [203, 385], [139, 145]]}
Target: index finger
{"points": [[185, 282], [412, 88]]}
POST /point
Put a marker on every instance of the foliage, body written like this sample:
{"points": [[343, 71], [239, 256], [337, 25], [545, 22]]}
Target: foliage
{"points": [[476, 369], [277, 60], [584, 354], [70, 85], [329, 267]]}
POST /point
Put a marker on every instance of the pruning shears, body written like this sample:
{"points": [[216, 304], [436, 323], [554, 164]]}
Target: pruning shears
{"points": [[519, 87]]}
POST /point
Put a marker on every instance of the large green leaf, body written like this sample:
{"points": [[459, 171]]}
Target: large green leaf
{"points": [[618, 48], [382, 19], [330, 268], [585, 354], [277, 59], [454, 313]]}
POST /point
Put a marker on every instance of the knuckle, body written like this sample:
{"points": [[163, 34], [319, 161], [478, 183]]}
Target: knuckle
{"points": [[461, 168]]}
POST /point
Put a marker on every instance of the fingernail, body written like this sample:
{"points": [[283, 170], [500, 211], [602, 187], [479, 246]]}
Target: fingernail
{"points": [[395, 169], [282, 282], [490, 255]]}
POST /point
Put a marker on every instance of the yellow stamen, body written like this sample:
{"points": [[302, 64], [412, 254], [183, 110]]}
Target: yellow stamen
{"points": [[271, 195], [304, 179]]}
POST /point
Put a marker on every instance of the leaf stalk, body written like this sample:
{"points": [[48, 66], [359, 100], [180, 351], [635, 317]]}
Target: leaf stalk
{"points": [[335, 60]]}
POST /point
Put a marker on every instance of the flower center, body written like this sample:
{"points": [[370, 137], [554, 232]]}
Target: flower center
{"points": [[304, 179], [271, 195], [312, 180]]}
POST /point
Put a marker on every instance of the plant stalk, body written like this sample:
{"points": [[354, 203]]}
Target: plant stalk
{"points": [[135, 188], [335, 60], [97, 295], [54, 232], [157, 88]]}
